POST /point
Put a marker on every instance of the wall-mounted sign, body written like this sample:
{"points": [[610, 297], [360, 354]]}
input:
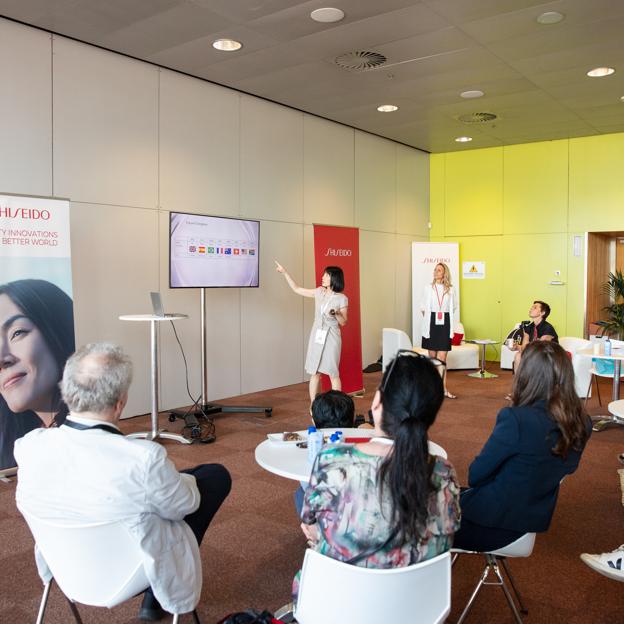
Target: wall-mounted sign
{"points": [[473, 270]]}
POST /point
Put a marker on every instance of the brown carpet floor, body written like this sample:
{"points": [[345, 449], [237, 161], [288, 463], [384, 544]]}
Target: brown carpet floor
{"points": [[254, 545]]}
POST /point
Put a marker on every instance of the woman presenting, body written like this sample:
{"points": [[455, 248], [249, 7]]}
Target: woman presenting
{"points": [[438, 307], [330, 313]]}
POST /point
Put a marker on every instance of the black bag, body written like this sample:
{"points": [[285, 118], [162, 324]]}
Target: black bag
{"points": [[250, 616]]}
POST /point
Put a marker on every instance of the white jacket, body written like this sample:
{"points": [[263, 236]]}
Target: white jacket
{"points": [[93, 475], [425, 306]]}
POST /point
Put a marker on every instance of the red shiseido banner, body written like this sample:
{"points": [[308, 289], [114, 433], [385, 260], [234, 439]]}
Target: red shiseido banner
{"points": [[340, 246]]}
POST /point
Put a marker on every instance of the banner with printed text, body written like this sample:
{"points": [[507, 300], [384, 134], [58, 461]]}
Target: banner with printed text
{"points": [[425, 257], [36, 314], [340, 246]]}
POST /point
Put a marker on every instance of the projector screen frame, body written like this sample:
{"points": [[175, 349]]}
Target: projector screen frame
{"points": [[196, 214]]}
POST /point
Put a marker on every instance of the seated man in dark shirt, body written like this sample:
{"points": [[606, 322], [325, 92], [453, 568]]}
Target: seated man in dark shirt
{"points": [[538, 329]]}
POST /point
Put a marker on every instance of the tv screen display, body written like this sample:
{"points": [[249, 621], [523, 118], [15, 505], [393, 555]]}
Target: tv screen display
{"points": [[213, 252]]}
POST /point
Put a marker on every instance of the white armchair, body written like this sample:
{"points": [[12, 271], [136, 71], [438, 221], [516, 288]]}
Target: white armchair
{"points": [[463, 356], [582, 365]]}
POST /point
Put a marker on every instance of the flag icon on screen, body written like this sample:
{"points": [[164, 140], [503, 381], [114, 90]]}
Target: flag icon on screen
{"points": [[202, 250], [252, 252], [227, 251], [243, 252], [211, 250], [236, 252], [192, 248]]}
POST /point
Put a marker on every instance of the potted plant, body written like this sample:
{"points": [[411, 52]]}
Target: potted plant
{"points": [[614, 287]]}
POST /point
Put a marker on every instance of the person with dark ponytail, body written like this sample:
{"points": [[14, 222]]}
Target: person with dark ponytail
{"points": [[514, 481], [387, 503]]}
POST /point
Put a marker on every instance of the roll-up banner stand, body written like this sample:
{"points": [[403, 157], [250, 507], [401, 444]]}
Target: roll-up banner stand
{"points": [[340, 246], [425, 256], [36, 314]]}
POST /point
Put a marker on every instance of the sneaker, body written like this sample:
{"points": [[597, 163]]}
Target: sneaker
{"points": [[621, 458], [609, 564]]}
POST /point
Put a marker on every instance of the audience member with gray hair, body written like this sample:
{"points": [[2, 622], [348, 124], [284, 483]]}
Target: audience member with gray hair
{"points": [[87, 471]]}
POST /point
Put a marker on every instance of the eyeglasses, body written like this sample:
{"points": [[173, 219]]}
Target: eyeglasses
{"points": [[407, 352]]}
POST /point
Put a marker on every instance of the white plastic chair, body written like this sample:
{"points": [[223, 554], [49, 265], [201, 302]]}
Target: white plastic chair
{"points": [[99, 565], [392, 341], [417, 593], [582, 365], [522, 547]]}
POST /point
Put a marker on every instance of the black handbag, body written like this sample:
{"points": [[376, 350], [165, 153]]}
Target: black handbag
{"points": [[249, 616]]}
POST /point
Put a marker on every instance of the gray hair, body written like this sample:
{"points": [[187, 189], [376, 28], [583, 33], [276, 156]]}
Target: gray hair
{"points": [[96, 377]]}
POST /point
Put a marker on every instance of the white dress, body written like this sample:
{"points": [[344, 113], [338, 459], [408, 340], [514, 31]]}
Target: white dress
{"points": [[325, 357]]}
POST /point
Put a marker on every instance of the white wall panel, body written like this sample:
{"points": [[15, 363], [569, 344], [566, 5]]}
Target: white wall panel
{"points": [[114, 270], [403, 284], [105, 126], [412, 191], [377, 290], [271, 161], [272, 315], [25, 110], [309, 281], [375, 183], [199, 146], [222, 337], [328, 172]]}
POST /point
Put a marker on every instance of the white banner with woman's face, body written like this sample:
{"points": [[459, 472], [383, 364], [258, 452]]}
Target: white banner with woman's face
{"points": [[425, 258], [36, 315]]}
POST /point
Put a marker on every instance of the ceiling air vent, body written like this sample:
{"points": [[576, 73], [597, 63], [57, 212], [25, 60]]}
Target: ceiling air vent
{"points": [[476, 118], [360, 60]]}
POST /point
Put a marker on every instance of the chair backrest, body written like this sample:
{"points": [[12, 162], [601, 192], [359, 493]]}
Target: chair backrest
{"points": [[333, 592], [580, 363], [98, 564], [392, 341]]}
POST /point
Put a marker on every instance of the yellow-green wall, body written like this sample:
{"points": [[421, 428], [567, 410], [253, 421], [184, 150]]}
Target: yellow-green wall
{"points": [[518, 209]]}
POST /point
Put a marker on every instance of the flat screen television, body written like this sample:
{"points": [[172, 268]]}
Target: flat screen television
{"points": [[213, 252]]}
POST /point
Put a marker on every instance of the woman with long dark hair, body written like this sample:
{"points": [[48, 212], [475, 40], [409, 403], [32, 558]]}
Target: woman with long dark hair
{"points": [[330, 314], [514, 481], [387, 503], [36, 338]]}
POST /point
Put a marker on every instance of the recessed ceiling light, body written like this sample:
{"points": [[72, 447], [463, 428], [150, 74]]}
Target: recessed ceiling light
{"points": [[387, 108], [327, 15], [469, 95], [227, 45], [463, 139], [599, 72], [550, 17]]}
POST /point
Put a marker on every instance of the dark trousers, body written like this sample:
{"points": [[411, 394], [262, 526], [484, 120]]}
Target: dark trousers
{"points": [[473, 536], [214, 484]]}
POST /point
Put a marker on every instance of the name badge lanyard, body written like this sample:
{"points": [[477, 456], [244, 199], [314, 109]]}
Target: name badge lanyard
{"points": [[321, 334], [439, 314]]}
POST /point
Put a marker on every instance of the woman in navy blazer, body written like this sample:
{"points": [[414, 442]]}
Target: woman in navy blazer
{"points": [[514, 481]]}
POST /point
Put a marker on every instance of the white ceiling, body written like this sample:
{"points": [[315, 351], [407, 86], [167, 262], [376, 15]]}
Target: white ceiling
{"points": [[533, 76]]}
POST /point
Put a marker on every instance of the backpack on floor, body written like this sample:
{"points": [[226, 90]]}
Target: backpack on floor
{"points": [[250, 616]]}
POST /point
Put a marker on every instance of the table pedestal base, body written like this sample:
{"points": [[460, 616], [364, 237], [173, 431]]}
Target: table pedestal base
{"points": [[149, 435], [603, 422], [482, 374]]}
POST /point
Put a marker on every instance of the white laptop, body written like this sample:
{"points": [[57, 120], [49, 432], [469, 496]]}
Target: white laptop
{"points": [[157, 306]]}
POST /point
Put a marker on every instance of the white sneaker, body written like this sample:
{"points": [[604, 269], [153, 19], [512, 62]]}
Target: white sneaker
{"points": [[609, 564]]}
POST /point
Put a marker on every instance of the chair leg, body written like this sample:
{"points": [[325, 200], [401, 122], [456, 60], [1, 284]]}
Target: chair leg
{"points": [[455, 558], [523, 609], [176, 617], [591, 379], [471, 600], [501, 582], [44, 602], [196, 617], [74, 611], [598, 392]]}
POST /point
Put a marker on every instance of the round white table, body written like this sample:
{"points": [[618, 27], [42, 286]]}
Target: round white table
{"points": [[482, 373], [291, 462], [617, 409], [153, 319], [617, 355]]}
